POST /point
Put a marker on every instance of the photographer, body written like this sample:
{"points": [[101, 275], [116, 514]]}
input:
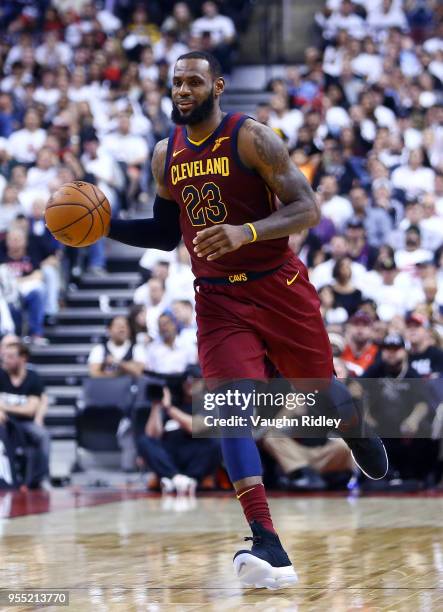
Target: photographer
{"points": [[179, 460]]}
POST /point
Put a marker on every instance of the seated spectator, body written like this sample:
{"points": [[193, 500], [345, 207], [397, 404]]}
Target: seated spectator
{"points": [[169, 48], [44, 171], [24, 144], [183, 311], [284, 119], [179, 460], [52, 52], [9, 207], [29, 277], [180, 278], [376, 221], [322, 273], [393, 294], [413, 253], [400, 414], [21, 391], [332, 314], [219, 32], [137, 323], [180, 21], [165, 355], [358, 247], [117, 355], [152, 295], [414, 178], [308, 464], [424, 356], [360, 351], [335, 207], [345, 292], [46, 252]]}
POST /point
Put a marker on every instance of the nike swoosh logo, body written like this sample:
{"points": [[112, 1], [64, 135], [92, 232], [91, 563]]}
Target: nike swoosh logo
{"points": [[290, 281], [175, 153], [240, 567]]}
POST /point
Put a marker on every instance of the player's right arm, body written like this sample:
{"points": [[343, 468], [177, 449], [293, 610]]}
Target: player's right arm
{"points": [[163, 230]]}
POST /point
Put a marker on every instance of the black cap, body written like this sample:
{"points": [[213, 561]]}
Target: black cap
{"points": [[393, 341]]}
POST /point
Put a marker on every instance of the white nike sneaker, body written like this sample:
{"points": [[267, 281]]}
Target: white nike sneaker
{"points": [[266, 565]]}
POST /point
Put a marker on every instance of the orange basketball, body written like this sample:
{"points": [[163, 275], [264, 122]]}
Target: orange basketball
{"points": [[78, 214]]}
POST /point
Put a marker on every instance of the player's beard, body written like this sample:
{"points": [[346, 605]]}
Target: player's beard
{"points": [[199, 114]]}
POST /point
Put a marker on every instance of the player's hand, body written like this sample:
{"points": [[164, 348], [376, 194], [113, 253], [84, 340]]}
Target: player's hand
{"points": [[215, 241]]}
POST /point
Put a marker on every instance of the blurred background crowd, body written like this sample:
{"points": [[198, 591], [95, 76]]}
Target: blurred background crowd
{"points": [[84, 94]]}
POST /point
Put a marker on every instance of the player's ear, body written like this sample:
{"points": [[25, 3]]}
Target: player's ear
{"points": [[219, 86]]}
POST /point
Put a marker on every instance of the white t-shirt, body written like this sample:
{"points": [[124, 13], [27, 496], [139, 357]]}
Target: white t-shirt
{"points": [[338, 209], [39, 179], [23, 145], [220, 27], [48, 97], [413, 181], [60, 54], [165, 359], [368, 65], [129, 148], [321, 275], [289, 124], [406, 260], [97, 354]]}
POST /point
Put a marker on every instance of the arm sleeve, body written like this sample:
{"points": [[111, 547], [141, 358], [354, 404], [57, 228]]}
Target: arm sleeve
{"points": [[161, 232]]}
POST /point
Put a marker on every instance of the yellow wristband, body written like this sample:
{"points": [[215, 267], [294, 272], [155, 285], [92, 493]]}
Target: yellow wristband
{"points": [[254, 232]]}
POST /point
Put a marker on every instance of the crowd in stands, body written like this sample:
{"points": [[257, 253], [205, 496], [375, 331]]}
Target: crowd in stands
{"points": [[84, 94]]}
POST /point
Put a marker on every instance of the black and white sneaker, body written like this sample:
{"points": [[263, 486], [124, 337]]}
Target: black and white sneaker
{"points": [[370, 456], [266, 565]]}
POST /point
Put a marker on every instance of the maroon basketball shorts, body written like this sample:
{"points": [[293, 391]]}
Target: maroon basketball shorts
{"points": [[275, 317]]}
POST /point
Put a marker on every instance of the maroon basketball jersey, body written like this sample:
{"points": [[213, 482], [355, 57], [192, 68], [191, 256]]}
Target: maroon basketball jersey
{"points": [[211, 185]]}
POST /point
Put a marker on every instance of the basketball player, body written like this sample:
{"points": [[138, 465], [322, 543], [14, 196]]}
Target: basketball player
{"points": [[217, 177]]}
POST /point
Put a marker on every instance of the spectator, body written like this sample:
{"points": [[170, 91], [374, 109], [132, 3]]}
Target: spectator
{"points": [[179, 460], [308, 464], [376, 221], [322, 273], [9, 207], [24, 144], [359, 352], [152, 295], [414, 178], [118, 355], [29, 277], [412, 254], [166, 355], [358, 247], [345, 292], [424, 357], [47, 253], [180, 21], [219, 30], [21, 392], [334, 206], [331, 313], [400, 414], [285, 119]]}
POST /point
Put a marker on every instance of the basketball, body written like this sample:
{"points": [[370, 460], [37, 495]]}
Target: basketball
{"points": [[78, 214]]}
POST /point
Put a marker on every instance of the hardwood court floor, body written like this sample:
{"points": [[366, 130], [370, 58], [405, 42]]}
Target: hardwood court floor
{"points": [[147, 553]]}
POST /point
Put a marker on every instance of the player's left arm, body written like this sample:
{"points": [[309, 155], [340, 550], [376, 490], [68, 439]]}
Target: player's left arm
{"points": [[263, 151]]}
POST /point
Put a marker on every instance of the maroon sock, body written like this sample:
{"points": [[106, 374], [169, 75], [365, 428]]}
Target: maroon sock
{"points": [[255, 505]]}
